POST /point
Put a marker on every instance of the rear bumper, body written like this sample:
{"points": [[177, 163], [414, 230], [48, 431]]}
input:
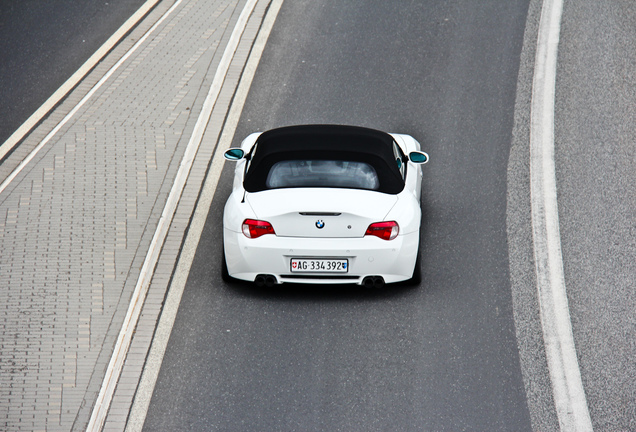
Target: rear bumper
{"points": [[394, 260]]}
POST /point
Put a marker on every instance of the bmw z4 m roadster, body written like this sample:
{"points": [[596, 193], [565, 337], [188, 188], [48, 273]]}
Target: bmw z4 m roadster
{"points": [[324, 204]]}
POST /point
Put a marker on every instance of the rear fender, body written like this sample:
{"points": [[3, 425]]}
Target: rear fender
{"points": [[407, 213]]}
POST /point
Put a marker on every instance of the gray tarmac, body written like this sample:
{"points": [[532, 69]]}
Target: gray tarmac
{"points": [[596, 177], [76, 224], [596, 174]]}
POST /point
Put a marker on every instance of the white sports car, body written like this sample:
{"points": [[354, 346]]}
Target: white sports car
{"points": [[324, 204]]}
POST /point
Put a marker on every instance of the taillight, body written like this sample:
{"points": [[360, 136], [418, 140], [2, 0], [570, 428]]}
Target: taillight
{"points": [[255, 228], [384, 230]]}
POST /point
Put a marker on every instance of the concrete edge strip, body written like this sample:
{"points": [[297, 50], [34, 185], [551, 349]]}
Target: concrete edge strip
{"points": [[113, 371], [85, 99], [171, 305], [567, 386], [78, 76]]}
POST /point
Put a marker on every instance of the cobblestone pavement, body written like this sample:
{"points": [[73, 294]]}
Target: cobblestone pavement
{"points": [[76, 223]]}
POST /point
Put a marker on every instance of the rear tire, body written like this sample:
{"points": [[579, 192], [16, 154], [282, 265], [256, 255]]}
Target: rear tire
{"points": [[225, 275], [416, 279]]}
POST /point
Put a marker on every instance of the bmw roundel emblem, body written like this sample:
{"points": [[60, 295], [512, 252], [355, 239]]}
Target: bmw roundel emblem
{"points": [[320, 224]]}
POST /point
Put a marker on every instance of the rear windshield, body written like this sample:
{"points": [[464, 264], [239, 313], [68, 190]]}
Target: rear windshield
{"points": [[322, 173]]}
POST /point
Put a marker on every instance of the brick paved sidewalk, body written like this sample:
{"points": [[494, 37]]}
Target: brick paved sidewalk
{"points": [[76, 223]]}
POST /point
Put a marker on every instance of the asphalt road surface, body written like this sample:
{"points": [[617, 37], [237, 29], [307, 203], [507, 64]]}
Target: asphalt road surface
{"points": [[42, 43], [455, 353], [596, 173], [595, 158], [442, 356]]}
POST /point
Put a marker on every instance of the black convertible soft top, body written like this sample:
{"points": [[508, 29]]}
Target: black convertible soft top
{"points": [[324, 142]]}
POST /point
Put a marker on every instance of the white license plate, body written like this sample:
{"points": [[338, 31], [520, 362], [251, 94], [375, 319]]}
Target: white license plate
{"points": [[320, 265]]}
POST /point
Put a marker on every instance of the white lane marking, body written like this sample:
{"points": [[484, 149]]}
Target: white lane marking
{"points": [[171, 306], [124, 339], [569, 396], [85, 99], [79, 75]]}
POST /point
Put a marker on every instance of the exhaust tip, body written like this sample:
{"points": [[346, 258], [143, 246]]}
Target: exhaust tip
{"points": [[270, 281], [373, 282], [263, 280]]}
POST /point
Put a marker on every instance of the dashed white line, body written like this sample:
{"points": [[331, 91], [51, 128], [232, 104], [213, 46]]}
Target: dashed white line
{"points": [[569, 395]]}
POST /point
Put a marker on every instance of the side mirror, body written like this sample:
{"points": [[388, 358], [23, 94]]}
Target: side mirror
{"points": [[234, 154], [418, 157]]}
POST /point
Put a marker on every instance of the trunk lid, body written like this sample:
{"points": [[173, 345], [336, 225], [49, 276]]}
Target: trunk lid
{"points": [[321, 213]]}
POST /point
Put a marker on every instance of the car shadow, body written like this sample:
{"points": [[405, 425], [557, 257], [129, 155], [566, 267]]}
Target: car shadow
{"points": [[323, 293]]}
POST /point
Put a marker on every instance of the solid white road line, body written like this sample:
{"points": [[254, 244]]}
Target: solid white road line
{"points": [[116, 363], [569, 396], [85, 99], [171, 306], [79, 75]]}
